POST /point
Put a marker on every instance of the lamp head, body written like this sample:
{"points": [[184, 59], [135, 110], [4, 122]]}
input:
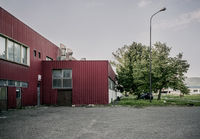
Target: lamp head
{"points": [[163, 9]]}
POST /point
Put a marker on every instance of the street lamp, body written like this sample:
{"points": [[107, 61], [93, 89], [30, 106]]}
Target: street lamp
{"points": [[163, 9]]}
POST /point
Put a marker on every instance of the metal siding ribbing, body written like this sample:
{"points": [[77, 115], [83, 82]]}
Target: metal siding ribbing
{"points": [[12, 71], [24, 96], [90, 81], [7, 23], [12, 102], [17, 30]]}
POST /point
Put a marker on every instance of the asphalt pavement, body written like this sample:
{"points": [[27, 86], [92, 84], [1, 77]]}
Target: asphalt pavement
{"points": [[112, 122]]}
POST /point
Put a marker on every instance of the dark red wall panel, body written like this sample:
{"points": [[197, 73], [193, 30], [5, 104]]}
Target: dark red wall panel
{"points": [[89, 80], [25, 96], [12, 102]]}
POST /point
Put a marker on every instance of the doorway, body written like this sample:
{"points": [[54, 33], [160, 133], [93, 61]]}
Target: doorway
{"points": [[64, 97], [38, 94], [18, 98], [3, 98]]}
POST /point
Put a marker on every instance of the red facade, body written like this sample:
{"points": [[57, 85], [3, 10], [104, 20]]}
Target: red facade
{"points": [[90, 78], [20, 32], [89, 81]]}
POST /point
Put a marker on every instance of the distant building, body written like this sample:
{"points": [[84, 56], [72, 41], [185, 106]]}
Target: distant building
{"points": [[34, 71], [194, 84]]}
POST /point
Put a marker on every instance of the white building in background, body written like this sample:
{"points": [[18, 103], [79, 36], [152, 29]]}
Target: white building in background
{"points": [[193, 83]]}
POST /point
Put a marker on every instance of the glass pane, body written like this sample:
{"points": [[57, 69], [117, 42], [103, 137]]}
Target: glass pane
{"points": [[17, 53], [109, 83], [67, 83], [34, 53], [57, 83], [10, 50], [17, 83], [57, 73], [67, 73], [24, 55], [18, 93], [3, 93], [3, 82], [11, 83], [113, 86], [2, 47], [24, 84]]}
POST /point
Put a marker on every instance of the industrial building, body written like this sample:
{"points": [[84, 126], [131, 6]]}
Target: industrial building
{"points": [[34, 71]]}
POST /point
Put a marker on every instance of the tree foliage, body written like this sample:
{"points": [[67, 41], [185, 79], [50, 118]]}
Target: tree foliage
{"points": [[132, 67]]}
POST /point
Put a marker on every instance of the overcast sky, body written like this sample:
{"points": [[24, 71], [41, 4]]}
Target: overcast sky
{"points": [[94, 29]]}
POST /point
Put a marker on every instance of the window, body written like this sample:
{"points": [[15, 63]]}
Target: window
{"points": [[24, 55], [3, 82], [2, 47], [34, 53], [39, 54], [13, 83], [17, 83], [62, 78], [3, 93], [24, 84], [10, 50], [13, 50], [48, 58], [17, 51], [111, 84]]}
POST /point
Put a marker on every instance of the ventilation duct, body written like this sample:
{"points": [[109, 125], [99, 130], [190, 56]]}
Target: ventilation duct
{"points": [[63, 52], [83, 59], [70, 52]]}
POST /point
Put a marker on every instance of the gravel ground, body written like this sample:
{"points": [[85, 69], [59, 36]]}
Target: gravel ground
{"points": [[101, 122]]}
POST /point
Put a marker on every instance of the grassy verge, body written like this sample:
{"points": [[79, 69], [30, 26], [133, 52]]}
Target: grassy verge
{"points": [[163, 102], [187, 97]]}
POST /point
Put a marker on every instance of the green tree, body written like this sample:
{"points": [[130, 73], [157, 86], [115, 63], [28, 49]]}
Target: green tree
{"points": [[132, 67], [125, 60], [167, 71]]}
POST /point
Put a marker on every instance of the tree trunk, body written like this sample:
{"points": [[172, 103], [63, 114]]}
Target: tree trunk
{"points": [[159, 95], [138, 96]]}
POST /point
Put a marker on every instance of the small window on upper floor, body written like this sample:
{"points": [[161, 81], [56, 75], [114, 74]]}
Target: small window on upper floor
{"points": [[34, 53], [39, 54]]}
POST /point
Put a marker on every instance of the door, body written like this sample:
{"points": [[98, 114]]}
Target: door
{"points": [[18, 98], [64, 97], [38, 94], [3, 98]]}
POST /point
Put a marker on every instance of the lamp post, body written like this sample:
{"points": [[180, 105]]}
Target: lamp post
{"points": [[163, 9]]}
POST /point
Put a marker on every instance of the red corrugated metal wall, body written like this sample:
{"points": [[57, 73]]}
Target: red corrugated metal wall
{"points": [[17, 30], [12, 102], [90, 81]]}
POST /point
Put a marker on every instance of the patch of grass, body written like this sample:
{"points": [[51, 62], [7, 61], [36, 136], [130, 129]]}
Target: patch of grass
{"points": [[162, 102], [188, 97], [192, 97]]}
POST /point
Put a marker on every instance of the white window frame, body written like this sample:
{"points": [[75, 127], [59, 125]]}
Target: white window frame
{"points": [[21, 46], [15, 84], [62, 79]]}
